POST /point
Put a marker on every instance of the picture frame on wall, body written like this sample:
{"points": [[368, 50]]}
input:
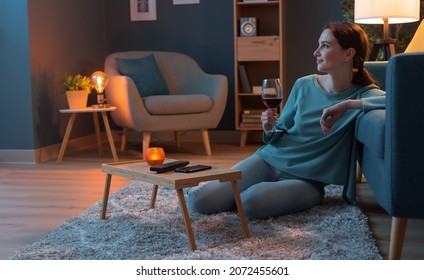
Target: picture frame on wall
{"points": [[142, 10], [185, 2]]}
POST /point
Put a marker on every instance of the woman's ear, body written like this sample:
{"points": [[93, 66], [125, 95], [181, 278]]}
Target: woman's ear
{"points": [[350, 53]]}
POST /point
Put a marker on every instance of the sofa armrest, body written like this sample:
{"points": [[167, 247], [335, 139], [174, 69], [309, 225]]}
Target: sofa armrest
{"points": [[213, 85], [404, 153], [122, 93]]}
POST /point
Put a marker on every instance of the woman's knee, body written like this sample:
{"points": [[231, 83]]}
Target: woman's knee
{"points": [[268, 199], [210, 198], [255, 202], [254, 210], [199, 204]]}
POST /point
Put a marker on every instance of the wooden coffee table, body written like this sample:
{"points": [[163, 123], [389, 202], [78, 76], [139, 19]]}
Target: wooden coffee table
{"points": [[140, 170]]}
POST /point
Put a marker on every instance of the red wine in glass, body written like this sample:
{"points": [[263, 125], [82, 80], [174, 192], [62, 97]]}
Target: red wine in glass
{"points": [[272, 103], [272, 95]]}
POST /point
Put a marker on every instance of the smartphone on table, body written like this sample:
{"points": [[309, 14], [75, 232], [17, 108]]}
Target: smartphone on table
{"points": [[193, 168]]}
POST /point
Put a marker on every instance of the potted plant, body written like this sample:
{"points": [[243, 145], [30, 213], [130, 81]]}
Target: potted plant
{"points": [[77, 89]]}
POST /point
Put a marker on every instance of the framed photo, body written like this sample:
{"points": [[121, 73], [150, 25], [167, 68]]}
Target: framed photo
{"points": [[185, 2], [142, 10]]}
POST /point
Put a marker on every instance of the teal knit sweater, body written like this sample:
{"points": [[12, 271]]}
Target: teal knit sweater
{"points": [[304, 150]]}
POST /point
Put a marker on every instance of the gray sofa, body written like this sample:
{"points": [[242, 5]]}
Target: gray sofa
{"points": [[391, 143], [194, 99]]}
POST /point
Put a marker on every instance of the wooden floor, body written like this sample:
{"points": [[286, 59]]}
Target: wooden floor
{"points": [[36, 199]]}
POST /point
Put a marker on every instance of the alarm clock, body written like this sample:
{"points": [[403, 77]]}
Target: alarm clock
{"points": [[247, 26]]}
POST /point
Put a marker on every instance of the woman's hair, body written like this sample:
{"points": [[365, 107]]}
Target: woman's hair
{"points": [[351, 35]]}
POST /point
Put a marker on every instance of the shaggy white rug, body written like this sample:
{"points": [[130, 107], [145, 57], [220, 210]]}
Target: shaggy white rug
{"points": [[334, 230]]}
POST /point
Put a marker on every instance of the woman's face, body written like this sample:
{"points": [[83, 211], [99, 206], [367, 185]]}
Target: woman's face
{"points": [[330, 55]]}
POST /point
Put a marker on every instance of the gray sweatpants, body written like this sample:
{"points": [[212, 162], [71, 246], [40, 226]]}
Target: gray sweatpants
{"points": [[265, 192]]}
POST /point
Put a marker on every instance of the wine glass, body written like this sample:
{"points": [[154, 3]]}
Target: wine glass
{"points": [[272, 95]]}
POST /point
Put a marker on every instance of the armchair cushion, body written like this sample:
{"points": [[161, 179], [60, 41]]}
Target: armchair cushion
{"points": [[145, 73], [177, 104], [370, 131]]}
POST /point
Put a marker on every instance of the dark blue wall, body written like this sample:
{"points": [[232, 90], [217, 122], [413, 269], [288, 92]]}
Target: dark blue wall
{"points": [[69, 38], [40, 43], [16, 127], [305, 20]]}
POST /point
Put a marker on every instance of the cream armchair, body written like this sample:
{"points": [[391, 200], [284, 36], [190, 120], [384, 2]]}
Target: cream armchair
{"points": [[196, 100]]}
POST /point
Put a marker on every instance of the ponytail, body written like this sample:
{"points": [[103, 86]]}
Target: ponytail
{"points": [[361, 76]]}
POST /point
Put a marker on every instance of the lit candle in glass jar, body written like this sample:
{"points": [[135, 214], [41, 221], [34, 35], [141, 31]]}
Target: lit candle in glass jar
{"points": [[155, 156]]}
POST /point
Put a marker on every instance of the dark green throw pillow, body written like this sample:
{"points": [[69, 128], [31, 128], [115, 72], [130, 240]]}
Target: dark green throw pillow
{"points": [[145, 73]]}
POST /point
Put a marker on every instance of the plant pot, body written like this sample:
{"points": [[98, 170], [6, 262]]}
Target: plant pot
{"points": [[77, 99]]}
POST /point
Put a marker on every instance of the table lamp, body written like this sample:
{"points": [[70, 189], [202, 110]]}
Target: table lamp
{"points": [[386, 12], [417, 42], [99, 82]]}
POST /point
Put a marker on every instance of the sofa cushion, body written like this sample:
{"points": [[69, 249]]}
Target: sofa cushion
{"points": [[177, 104], [370, 131], [145, 73]]}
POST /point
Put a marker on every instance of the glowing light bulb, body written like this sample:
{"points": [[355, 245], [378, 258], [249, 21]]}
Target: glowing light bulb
{"points": [[100, 86], [99, 82]]}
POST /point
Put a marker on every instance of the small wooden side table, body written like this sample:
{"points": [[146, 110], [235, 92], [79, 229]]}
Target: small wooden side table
{"points": [[140, 170], [94, 111]]}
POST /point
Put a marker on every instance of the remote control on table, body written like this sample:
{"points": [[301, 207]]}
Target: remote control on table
{"points": [[169, 166]]}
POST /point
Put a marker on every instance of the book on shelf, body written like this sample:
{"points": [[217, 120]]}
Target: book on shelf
{"points": [[253, 111], [250, 125], [244, 81], [251, 118]]}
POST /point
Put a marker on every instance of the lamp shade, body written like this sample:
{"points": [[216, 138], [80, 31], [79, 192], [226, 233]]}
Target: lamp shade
{"points": [[396, 11], [417, 42]]}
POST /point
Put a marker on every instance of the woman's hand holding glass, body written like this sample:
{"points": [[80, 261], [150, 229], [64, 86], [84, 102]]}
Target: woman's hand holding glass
{"points": [[269, 118], [272, 95]]}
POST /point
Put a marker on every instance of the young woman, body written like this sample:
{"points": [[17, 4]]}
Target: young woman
{"points": [[316, 146]]}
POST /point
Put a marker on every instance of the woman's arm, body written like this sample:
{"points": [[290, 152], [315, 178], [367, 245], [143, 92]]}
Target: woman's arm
{"points": [[371, 99], [331, 114]]}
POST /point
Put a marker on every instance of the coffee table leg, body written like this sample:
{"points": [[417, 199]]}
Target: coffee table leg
{"points": [[186, 217], [240, 210], [154, 194], [106, 196]]}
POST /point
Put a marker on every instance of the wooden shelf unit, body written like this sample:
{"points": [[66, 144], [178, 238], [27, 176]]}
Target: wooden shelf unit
{"points": [[262, 56]]}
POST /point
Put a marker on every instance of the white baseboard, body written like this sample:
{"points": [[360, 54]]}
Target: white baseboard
{"points": [[46, 153], [51, 152], [18, 156]]}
